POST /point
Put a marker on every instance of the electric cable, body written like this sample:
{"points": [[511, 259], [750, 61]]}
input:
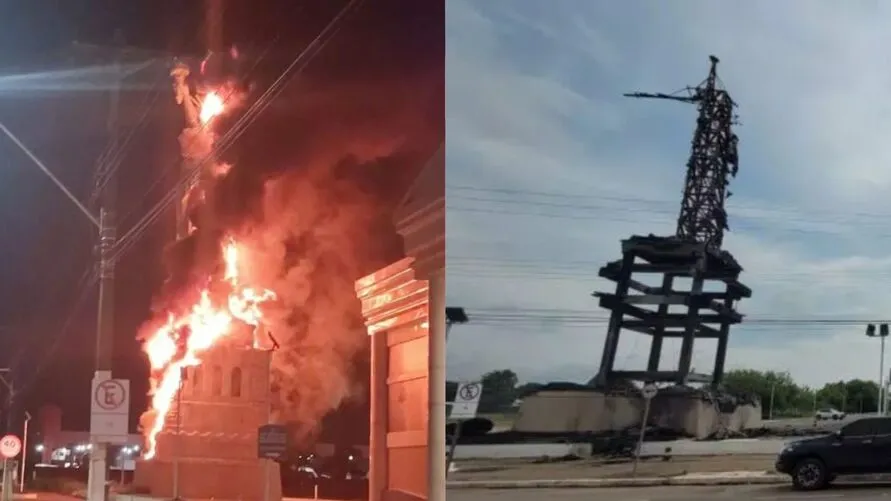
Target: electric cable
{"points": [[313, 49], [88, 279], [109, 166]]}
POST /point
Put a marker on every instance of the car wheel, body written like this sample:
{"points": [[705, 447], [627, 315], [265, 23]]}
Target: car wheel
{"points": [[836, 417], [809, 475]]}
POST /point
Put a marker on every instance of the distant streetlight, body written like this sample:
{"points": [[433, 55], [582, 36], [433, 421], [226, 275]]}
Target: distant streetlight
{"points": [[455, 315], [882, 334]]}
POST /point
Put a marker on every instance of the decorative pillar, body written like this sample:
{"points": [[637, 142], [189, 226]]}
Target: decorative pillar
{"points": [[404, 308]]}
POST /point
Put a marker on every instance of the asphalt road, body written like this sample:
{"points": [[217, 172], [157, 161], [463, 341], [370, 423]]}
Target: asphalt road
{"points": [[717, 493]]}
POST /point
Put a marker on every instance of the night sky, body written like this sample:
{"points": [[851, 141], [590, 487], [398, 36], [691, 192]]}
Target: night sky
{"points": [[383, 70]]}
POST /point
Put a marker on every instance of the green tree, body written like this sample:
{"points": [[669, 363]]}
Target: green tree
{"points": [[526, 389], [852, 396], [499, 390], [779, 394]]}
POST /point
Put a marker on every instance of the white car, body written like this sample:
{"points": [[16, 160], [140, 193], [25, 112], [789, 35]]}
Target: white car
{"points": [[830, 413]]}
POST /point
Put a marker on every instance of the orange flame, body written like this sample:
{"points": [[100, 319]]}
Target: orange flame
{"points": [[184, 338], [211, 106]]}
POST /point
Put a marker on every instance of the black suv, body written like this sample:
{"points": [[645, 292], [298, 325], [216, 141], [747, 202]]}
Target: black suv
{"points": [[863, 446]]}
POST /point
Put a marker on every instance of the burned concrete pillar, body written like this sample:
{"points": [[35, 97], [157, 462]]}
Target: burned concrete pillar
{"points": [[723, 339], [690, 330], [613, 332], [659, 328]]}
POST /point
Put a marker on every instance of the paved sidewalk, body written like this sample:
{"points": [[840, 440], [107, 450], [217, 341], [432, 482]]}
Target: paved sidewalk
{"points": [[678, 493], [689, 479]]}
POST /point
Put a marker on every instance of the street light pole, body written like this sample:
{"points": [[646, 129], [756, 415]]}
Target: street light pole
{"points": [[105, 224], [8, 464], [24, 452], [98, 473], [454, 315], [882, 334]]}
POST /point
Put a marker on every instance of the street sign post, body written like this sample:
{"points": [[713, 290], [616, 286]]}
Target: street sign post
{"points": [[272, 445], [10, 447], [110, 411], [648, 392], [272, 441], [467, 400]]}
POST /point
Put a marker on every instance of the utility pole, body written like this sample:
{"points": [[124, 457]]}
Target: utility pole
{"points": [[98, 473], [455, 315], [882, 334], [9, 465], [10, 398], [105, 224]]}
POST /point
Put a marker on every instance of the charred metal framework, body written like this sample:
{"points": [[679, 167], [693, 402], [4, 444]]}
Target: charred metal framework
{"points": [[713, 160], [709, 309], [698, 282]]}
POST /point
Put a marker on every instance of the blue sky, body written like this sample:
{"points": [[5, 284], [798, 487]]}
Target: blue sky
{"points": [[548, 167]]}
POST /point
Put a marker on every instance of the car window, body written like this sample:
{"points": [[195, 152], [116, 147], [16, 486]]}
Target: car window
{"points": [[862, 427], [882, 426]]}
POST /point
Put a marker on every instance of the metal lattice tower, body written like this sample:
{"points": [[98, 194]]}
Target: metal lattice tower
{"points": [[713, 160]]}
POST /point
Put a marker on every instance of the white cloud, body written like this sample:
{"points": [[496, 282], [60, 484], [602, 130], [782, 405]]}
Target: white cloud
{"points": [[534, 104]]}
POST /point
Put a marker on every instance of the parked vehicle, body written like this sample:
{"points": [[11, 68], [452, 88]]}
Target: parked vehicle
{"points": [[860, 447], [830, 413]]}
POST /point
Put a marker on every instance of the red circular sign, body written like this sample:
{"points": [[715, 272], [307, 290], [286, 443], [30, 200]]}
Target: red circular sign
{"points": [[10, 446], [110, 395]]}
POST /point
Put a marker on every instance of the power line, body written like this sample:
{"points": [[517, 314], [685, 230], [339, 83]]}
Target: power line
{"points": [[829, 227], [165, 171], [85, 285], [311, 50], [811, 214], [111, 160], [563, 317], [587, 271], [476, 313]]}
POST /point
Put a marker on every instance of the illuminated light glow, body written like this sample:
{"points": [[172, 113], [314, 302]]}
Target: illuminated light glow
{"points": [[184, 338], [211, 106], [221, 169]]}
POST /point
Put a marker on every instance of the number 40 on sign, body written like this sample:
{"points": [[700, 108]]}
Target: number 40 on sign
{"points": [[10, 446]]}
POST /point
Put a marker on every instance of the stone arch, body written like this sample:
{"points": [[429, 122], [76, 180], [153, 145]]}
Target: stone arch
{"points": [[216, 381], [235, 382]]}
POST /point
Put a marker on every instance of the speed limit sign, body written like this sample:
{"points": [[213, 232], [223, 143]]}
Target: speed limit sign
{"points": [[10, 446]]}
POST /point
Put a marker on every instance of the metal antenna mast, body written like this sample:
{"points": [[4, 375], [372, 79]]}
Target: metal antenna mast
{"points": [[714, 160]]}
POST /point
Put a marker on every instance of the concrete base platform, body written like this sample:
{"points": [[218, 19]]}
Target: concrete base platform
{"points": [[682, 409], [208, 479]]}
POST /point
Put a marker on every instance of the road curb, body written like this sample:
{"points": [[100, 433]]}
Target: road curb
{"points": [[591, 483]]}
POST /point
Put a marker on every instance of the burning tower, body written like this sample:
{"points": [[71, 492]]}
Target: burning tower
{"points": [[693, 253], [210, 373]]}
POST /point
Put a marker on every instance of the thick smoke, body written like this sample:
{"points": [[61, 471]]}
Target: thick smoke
{"points": [[309, 229], [316, 236]]}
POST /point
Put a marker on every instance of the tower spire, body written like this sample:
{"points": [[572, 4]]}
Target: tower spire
{"points": [[713, 161]]}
